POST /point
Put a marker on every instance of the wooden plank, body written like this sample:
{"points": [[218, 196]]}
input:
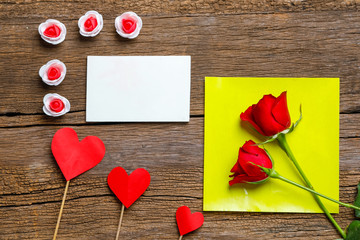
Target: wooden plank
{"points": [[32, 187], [283, 45], [154, 218], [22, 8]]}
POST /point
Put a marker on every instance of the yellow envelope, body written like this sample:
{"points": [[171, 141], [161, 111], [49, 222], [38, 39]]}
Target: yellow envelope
{"points": [[315, 144]]}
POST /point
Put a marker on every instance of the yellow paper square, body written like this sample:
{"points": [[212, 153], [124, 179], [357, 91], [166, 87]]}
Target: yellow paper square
{"points": [[315, 144]]}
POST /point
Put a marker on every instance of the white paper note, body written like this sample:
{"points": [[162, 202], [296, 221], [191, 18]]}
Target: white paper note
{"points": [[138, 88]]}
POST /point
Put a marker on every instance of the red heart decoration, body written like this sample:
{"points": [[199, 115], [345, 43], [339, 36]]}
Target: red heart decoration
{"points": [[128, 188], [74, 157], [188, 222]]}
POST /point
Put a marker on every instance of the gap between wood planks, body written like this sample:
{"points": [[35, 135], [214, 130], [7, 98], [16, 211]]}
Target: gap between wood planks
{"points": [[74, 124], [96, 196]]}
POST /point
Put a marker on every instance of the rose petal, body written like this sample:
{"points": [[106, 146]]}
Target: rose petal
{"points": [[251, 148], [90, 24], [263, 116], [245, 179], [250, 154], [52, 31], [53, 73], [128, 25], [236, 169], [247, 116], [56, 105], [280, 111]]}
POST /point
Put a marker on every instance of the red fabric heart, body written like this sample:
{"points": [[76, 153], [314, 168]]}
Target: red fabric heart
{"points": [[128, 188], [188, 222], [74, 157]]}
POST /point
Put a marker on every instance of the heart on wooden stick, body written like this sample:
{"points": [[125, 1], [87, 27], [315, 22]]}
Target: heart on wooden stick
{"points": [[187, 221], [74, 157], [127, 188]]}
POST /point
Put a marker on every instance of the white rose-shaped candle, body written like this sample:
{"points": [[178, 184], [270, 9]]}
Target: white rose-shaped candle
{"points": [[128, 25], [90, 24], [52, 31], [53, 72], [55, 105]]}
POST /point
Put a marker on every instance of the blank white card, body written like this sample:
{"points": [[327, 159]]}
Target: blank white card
{"points": [[138, 88]]}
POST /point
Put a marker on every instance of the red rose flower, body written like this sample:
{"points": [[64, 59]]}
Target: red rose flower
{"points": [[269, 116], [245, 169], [53, 72], [52, 31], [128, 25], [55, 105]]}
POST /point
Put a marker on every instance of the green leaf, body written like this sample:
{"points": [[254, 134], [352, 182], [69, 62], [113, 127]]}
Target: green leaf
{"points": [[357, 202], [353, 231]]}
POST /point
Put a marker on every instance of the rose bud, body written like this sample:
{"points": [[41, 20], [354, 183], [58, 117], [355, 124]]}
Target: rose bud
{"points": [[55, 105], [254, 165], [53, 72], [52, 31], [128, 25], [246, 169], [269, 116], [90, 24]]}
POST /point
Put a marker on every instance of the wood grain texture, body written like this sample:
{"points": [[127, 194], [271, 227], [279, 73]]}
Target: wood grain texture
{"points": [[260, 38], [19, 8]]}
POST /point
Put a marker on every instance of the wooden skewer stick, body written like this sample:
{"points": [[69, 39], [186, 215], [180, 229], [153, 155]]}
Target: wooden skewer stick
{"points": [[121, 217], [61, 210], [180, 237]]}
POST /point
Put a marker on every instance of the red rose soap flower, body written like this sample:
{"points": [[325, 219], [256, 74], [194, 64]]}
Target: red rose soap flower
{"points": [[128, 25], [269, 116], [55, 105], [53, 72], [52, 31], [245, 169], [90, 24]]}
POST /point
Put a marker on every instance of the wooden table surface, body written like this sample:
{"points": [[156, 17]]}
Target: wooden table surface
{"points": [[259, 38]]}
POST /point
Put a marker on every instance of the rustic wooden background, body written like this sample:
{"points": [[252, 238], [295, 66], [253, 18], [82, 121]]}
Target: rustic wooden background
{"points": [[277, 38]]}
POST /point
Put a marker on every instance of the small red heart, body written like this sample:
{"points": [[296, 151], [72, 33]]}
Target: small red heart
{"points": [[188, 222], [128, 188], [74, 157]]}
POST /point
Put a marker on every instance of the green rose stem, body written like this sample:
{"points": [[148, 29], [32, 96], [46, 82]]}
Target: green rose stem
{"points": [[285, 146], [273, 174]]}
